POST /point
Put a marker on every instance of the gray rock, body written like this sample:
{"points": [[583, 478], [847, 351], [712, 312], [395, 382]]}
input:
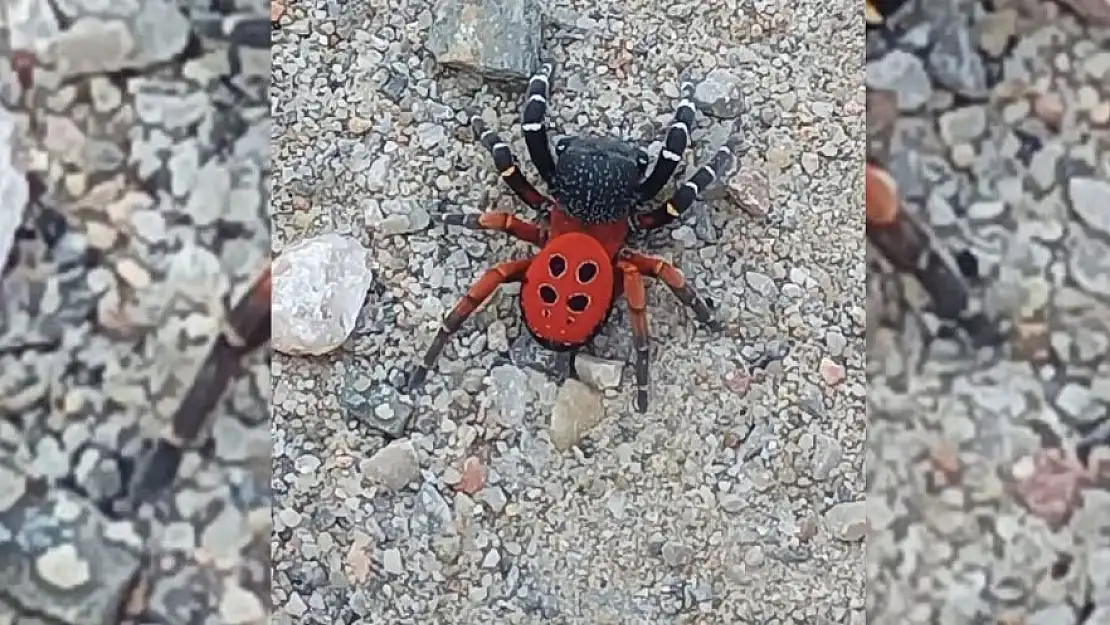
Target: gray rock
{"points": [[394, 466], [599, 373], [62, 558], [720, 95], [577, 410], [30, 23], [497, 39], [1093, 11], [955, 62], [1052, 615], [527, 352], [1089, 264], [904, 74], [376, 404], [510, 393], [392, 563], [319, 288], [963, 125], [13, 185], [397, 216], [154, 33], [848, 521], [1090, 199]]}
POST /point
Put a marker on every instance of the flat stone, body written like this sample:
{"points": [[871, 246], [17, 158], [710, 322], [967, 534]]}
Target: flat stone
{"points": [[62, 558], [319, 287], [239, 606], [378, 405], [1089, 264], [497, 39], [14, 193], [397, 216], [394, 466], [392, 563], [904, 75], [599, 373], [963, 125], [1090, 199], [954, 60], [154, 33], [719, 94], [577, 410], [1095, 12], [510, 394], [848, 521]]}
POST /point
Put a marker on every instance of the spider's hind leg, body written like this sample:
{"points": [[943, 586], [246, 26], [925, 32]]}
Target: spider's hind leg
{"points": [[502, 222], [634, 294], [687, 192], [676, 282], [506, 165]]}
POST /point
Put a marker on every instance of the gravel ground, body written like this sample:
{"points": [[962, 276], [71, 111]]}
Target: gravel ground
{"points": [[737, 498], [988, 484], [147, 180]]}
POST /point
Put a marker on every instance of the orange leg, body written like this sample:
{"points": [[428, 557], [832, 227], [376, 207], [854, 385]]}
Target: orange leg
{"points": [[675, 281], [881, 196], [512, 271], [633, 284], [500, 221]]}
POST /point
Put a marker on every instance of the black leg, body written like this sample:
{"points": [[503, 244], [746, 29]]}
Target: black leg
{"points": [[534, 123], [685, 195], [678, 139], [506, 166]]}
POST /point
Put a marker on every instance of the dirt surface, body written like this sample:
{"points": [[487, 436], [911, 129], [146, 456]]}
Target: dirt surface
{"points": [[988, 468], [737, 496], [139, 185]]}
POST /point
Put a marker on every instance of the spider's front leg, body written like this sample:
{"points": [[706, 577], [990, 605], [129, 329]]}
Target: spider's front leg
{"points": [[634, 293], [534, 123], [689, 191], [506, 165], [512, 271], [678, 139]]}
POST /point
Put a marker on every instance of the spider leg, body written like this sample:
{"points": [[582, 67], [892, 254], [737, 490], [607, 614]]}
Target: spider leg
{"points": [[685, 195], [909, 246], [246, 328], [506, 165], [633, 284], [675, 281], [678, 139], [534, 123], [512, 271], [500, 221]]}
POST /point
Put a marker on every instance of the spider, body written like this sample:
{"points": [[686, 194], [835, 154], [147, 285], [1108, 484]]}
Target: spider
{"points": [[569, 288]]}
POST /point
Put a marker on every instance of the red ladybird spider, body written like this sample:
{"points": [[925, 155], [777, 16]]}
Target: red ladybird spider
{"points": [[570, 286]]}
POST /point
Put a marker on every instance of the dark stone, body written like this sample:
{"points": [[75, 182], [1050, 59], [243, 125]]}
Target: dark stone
{"points": [[497, 39]]}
